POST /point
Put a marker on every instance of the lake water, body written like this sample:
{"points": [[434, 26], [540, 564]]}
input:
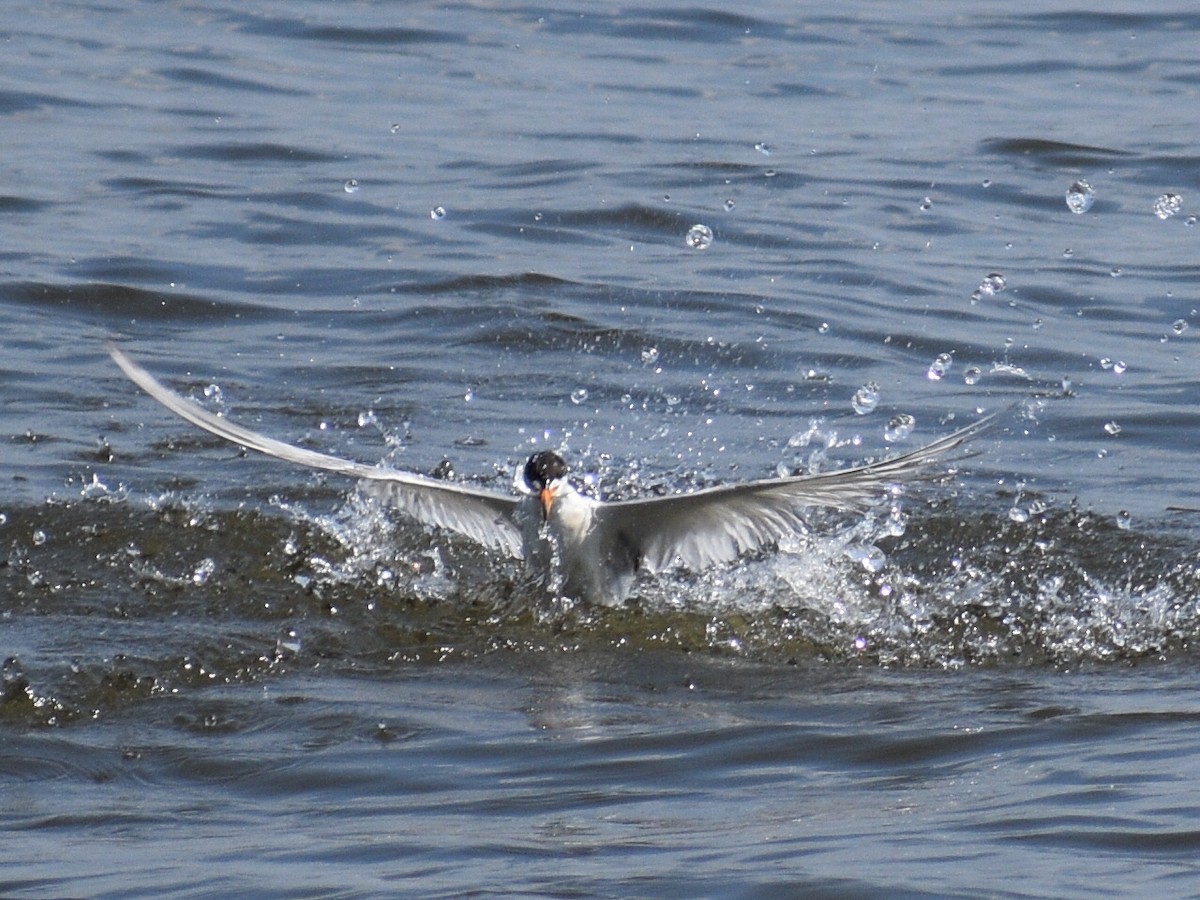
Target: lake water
{"points": [[443, 235]]}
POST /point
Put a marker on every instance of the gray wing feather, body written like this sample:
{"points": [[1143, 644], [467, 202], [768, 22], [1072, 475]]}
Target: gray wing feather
{"points": [[717, 525], [481, 515]]}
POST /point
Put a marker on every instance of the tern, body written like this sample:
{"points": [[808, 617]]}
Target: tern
{"points": [[588, 549]]}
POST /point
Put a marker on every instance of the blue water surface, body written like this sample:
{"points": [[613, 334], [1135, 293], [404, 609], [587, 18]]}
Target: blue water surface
{"points": [[443, 235]]}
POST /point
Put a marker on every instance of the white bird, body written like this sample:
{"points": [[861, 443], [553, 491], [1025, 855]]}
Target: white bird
{"points": [[584, 548]]}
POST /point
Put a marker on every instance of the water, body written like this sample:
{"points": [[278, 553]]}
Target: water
{"points": [[1080, 197], [446, 237]]}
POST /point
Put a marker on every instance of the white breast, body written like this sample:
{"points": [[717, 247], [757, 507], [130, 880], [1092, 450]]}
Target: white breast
{"points": [[568, 553]]}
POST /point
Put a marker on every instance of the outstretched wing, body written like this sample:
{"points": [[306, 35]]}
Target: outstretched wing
{"points": [[482, 516], [717, 525]]}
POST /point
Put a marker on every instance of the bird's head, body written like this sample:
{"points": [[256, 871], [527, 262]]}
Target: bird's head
{"points": [[544, 474]]}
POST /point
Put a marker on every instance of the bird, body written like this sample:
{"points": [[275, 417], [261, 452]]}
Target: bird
{"points": [[582, 548]]}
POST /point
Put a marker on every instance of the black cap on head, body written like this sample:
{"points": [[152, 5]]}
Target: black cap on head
{"points": [[544, 467]]}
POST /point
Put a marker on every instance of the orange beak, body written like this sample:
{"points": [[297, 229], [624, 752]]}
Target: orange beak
{"points": [[547, 498]]}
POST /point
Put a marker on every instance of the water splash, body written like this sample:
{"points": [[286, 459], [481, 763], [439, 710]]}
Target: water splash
{"points": [[949, 581], [868, 556]]}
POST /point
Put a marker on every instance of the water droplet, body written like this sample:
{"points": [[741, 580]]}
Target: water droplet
{"points": [[213, 392], [1019, 515], [899, 428], [990, 286], [39, 538], [1119, 367], [11, 670], [396, 128], [868, 556], [287, 642], [972, 375], [94, 490], [762, 148], [823, 328], [438, 212], [926, 203], [1179, 326], [351, 186], [1080, 197], [1116, 272], [939, 367], [1112, 428], [367, 418], [1168, 205], [1124, 520], [729, 205], [994, 283], [204, 571], [1190, 221], [866, 398], [987, 182], [699, 237], [805, 437], [579, 395], [650, 355]]}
